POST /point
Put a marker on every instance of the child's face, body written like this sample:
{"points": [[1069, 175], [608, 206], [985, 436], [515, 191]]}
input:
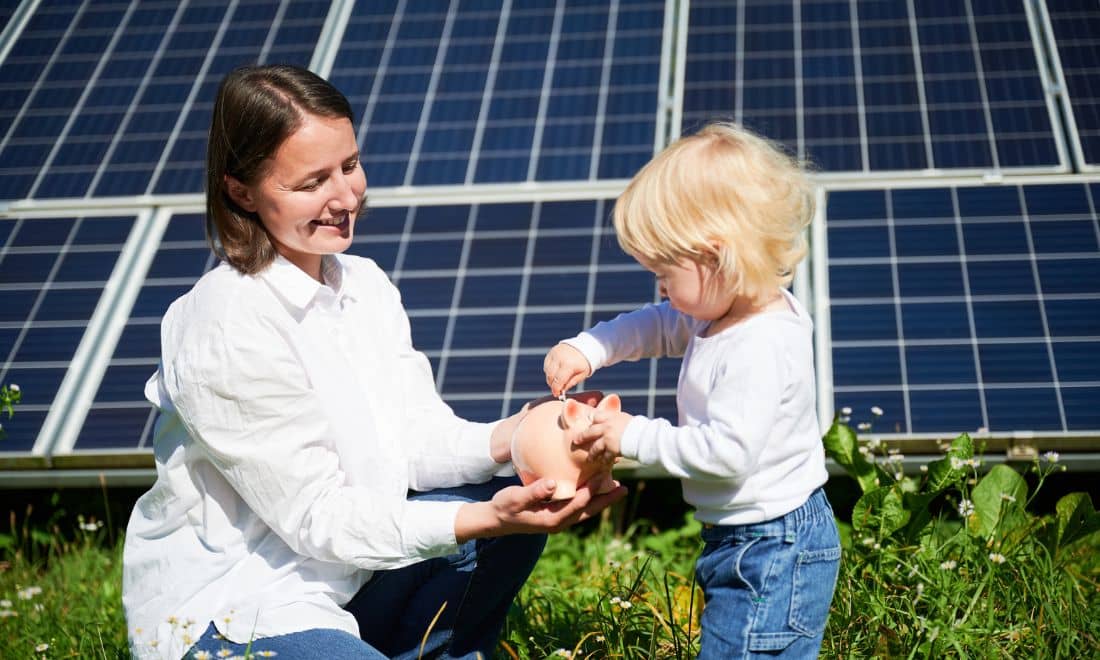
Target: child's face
{"points": [[691, 288]]}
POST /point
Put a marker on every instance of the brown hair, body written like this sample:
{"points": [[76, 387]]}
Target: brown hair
{"points": [[257, 108], [725, 197]]}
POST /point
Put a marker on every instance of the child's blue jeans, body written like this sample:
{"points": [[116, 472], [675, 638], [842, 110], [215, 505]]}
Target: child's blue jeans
{"points": [[396, 607], [767, 586]]}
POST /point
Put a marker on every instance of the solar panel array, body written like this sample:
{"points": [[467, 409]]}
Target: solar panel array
{"points": [[967, 308], [495, 136], [1076, 29], [874, 86]]}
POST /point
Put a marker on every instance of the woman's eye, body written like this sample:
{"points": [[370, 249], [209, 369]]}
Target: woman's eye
{"points": [[310, 185], [350, 167]]}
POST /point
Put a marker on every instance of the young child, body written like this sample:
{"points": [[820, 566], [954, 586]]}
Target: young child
{"points": [[718, 217]]}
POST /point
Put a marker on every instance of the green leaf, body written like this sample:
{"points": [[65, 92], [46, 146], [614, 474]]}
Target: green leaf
{"points": [[941, 473], [1075, 518], [880, 512], [990, 505], [842, 446]]}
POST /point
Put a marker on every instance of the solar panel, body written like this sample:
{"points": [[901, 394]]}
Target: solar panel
{"points": [[489, 288], [1076, 29], [964, 308], [109, 99], [871, 86], [53, 271], [489, 92]]}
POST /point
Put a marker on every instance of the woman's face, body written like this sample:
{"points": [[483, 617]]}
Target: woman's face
{"points": [[309, 195]]}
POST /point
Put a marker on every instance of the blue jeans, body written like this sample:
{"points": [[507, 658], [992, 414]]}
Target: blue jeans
{"points": [[767, 586], [396, 607]]}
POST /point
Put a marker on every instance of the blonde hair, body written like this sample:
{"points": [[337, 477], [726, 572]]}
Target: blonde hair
{"points": [[724, 197]]}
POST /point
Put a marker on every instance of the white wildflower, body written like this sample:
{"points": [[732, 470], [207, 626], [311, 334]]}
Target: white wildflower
{"points": [[974, 462], [42, 648], [867, 540], [4, 614], [224, 653], [625, 604], [1051, 456], [957, 463], [1008, 498], [39, 607], [996, 558], [876, 411], [5, 603], [202, 655], [565, 653], [846, 411], [875, 443], [966, 508], [28, 593], [864, 426], [924, 468], [13, 387], [615, 600], [949, 565], [266, 654]]}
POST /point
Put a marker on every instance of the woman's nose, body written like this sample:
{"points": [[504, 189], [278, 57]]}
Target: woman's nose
{"points": [[344, 197]]}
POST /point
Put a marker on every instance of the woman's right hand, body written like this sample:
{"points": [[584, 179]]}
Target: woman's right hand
{"points": [[529, 510], [564, 367]]}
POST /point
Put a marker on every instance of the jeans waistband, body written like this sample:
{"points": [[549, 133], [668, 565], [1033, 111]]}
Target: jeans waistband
{"points": [[816, 506]]}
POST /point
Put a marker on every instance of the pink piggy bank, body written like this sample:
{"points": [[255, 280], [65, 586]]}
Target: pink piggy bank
{"points": [[542, 449]]}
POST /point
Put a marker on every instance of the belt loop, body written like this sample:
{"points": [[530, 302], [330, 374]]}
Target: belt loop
{"points": [[789, 526]]}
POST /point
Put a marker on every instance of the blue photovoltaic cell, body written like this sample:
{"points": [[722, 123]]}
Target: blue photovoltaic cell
{"points": [[104, 99], [868, 86], [52, 275], [1076, 26], [478, 92], [482, 305], [979, 310]]}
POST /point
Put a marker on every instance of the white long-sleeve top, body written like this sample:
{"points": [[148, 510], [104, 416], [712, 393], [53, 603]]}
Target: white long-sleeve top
{"points": [[294, 418], [747, 446]]}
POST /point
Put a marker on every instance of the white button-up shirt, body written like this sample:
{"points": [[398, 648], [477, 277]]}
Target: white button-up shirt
{"points": [[294, 418]]}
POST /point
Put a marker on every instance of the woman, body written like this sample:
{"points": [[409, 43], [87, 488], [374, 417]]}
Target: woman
{"points": [[296, 418]]}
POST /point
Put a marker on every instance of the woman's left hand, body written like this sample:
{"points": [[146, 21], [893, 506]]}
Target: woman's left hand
{"points": [[528, 510]]}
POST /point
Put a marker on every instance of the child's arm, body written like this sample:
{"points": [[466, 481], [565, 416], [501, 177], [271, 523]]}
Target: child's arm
{"points": [[740, 409], [652, 331]]}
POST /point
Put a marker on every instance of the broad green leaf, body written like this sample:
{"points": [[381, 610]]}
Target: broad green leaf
{"points": [[917, 506], [842, 446], [880, 512], [942, 473], [1075, 518], [1000, 491]]}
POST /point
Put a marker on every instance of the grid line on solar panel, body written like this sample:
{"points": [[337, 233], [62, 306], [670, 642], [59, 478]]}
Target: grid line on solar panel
{"points": [[53, 271], [1075, 27], [500, 99], [875, 89], [993, 306], [103, 99]]}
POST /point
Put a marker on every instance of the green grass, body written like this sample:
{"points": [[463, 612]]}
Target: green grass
{"points": [[949, 564]]}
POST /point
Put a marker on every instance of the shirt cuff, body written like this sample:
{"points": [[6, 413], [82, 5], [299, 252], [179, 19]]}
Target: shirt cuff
{"points": [[430, 528], [630, 442], [590, 348]]}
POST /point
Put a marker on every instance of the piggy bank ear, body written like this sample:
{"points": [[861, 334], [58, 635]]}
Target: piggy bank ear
{"points": [[574, 413], [610, 402]]}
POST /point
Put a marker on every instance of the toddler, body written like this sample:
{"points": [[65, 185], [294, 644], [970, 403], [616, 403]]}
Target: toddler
{"points": [[719, 218]]}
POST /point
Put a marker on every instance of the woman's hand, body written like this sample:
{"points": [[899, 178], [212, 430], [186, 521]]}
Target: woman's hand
{"points": [[528, 510], [564, 367]]}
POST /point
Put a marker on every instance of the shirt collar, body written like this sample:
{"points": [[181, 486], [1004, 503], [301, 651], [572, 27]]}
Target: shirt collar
{"points": [[299, 289]]}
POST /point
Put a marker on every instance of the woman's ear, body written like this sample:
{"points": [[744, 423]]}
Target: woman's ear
{"points": [[240, 194]]}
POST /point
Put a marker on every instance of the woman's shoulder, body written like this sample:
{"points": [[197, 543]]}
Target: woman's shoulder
{"points": [[221, 296]]}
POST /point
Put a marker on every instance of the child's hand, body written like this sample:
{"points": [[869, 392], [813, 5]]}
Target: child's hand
{"points": [[603, 439], [565, 366]]}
